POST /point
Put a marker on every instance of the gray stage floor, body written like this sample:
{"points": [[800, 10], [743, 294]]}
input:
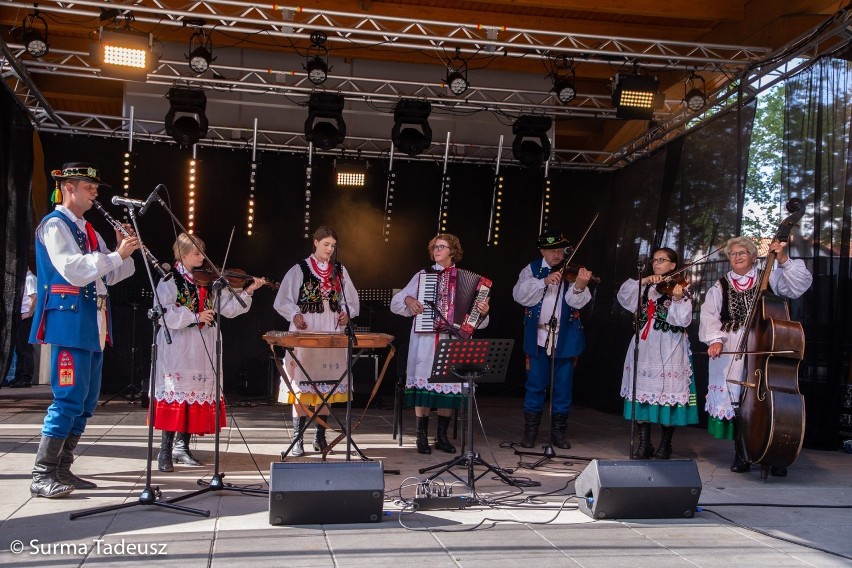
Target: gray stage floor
{"points": [[801, 520]]}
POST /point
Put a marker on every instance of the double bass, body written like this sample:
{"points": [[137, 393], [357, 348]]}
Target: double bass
{"points": [[770, 417]]}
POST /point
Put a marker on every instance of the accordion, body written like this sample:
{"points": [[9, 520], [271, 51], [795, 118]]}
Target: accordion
{"points": [[470, 289]]}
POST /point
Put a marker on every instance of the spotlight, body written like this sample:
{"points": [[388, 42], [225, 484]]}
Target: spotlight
{"points": [[189, 106], [350, 173], [317, 65], [200, 51], [411, 113], [695, 97], [124, 54], [636, 96], [325, 135], [457, 82], [317, 70], [34, 40], [563, 84], [531, 146]]}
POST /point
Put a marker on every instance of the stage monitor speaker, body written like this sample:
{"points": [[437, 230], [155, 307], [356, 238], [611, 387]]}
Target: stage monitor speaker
{"points": [[635, 489], [311, 493]]}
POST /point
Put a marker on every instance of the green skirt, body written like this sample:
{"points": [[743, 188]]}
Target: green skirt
{"points": [[666, 415], [721, 428], [432, 399]]}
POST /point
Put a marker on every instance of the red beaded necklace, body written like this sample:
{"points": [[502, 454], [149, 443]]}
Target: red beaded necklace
{"points": [[742, 287], [325, 275]]}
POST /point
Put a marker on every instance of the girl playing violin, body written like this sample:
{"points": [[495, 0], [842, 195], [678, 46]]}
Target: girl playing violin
{"points": [[665, 382], [185, 378]]}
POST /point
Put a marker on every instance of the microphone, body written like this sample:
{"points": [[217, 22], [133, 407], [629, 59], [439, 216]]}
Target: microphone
{"points": [[150, 200], [126, 201], [335, 266]]}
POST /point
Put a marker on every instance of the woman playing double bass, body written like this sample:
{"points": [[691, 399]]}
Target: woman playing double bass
{"points": [[723, 316]]}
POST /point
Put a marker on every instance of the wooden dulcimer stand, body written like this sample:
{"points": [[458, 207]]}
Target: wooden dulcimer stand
{"points": [[290, 340]]}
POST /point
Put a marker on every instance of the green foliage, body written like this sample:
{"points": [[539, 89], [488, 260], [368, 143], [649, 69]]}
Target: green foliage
{"points": [[763, 176]]}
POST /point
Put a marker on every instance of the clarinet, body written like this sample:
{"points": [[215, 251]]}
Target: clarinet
{"points": [[164, 270]]}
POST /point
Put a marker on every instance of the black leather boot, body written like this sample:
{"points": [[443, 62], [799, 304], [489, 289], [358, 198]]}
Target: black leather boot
{"points": [[320, 443], [180, 451], [44, 482], [664, 452], [66, 458], [558, 425], [532, 420], [740, 465], [423, 435], [298, 448], [441, 441], [164, 458], [645, 450]]}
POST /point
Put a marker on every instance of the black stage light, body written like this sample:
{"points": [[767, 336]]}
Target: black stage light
{"points": [[34, 40], [317, 70], [410, 113], [330, 132], [186, 121], [350, 173], [564, 85], [457, 82], [636, 96], [695, 97], [124, 54], [531, 146], [200, 51], [317, 65]]}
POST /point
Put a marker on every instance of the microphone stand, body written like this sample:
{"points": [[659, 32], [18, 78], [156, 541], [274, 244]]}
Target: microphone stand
{"points": [[150, 495], [640, 268], [216, 483], [351, 342]]}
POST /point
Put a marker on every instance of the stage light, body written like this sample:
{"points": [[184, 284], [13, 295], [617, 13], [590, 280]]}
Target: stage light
{"points": [[636, 96], [695, 97], [317, 70], [350, 173], [34, 40], [564, 82], [124, 54], [457, 82], [531, 146], [186, 121], [325, 134], [411, 113], [317, 64], [200, 51]]}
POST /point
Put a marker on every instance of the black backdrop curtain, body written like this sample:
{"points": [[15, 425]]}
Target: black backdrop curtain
{"points": [[816, 168], [16, 168]]}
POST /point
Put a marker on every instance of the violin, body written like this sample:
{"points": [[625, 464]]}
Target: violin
{"points": [[570, 271], [236, 277], [669, 283]]}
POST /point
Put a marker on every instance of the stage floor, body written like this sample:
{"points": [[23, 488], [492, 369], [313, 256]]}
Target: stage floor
{"points": [[738, 522]]}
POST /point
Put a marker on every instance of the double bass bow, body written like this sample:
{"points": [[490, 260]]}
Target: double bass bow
{"points": [[770, 416]]}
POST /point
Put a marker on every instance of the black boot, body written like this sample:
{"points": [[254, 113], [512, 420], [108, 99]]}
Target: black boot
{"points": [[298, 448], [423, 435], [645, 450], [44, 482], [180, 451], [164, 458], [441, 441], [532, 420], [740, 465], [320, 443], [558, 425], [664, 452], [66, 458]]}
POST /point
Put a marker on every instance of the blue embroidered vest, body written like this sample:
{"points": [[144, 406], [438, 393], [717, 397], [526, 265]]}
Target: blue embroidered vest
{"points": [[65, 314], [570, 340]]}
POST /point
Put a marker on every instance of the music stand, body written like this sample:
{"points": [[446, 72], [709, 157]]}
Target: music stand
{"points": [[470, 361]]}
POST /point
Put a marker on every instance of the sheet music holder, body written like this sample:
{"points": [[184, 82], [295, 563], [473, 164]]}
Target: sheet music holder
{"points": [[470, 361]]}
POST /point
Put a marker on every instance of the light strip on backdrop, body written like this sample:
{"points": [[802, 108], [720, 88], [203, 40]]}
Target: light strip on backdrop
{"points": [[389, 191], [544, 216], [190, 224], [308, 173], [445, 191], [496, 201], [252, 181]]}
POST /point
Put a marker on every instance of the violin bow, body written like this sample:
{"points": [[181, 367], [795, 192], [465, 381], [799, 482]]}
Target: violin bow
{"points": [[576, 248]]}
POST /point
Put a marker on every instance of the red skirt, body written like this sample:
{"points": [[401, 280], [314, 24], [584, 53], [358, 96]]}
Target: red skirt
{"points": [[197, 418]]}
